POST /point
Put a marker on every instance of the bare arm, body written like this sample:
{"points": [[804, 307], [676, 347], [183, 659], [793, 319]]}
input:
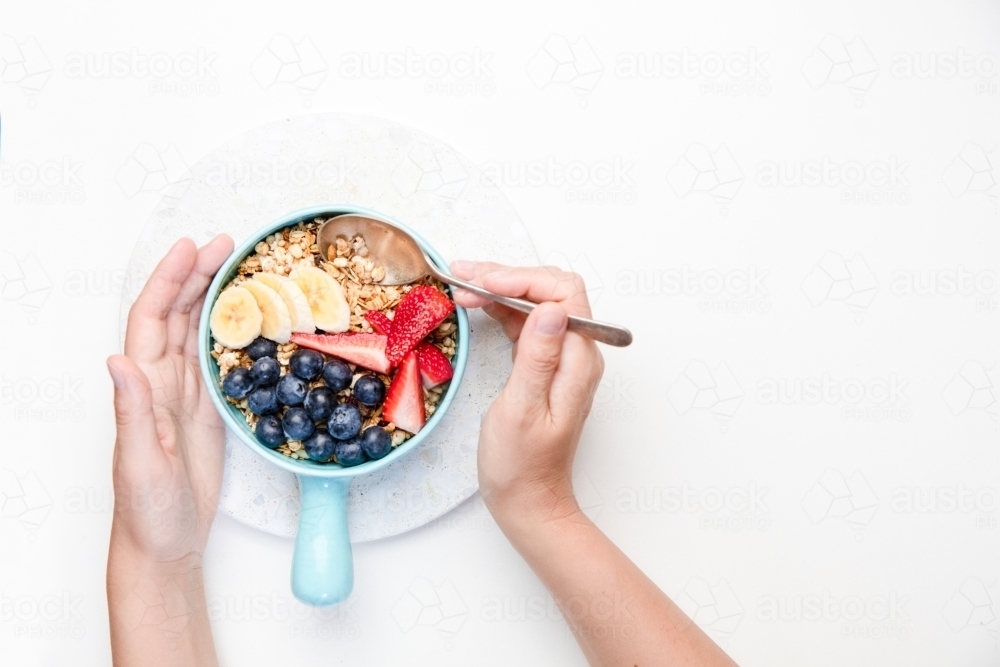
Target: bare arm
{"points": [[526, 448], [167, 471]]}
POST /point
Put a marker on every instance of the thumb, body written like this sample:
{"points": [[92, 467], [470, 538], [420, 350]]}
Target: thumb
{"points": [[538, 351], [133, 405]]}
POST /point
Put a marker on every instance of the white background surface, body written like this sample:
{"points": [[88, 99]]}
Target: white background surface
{"points": [[897, 582]]}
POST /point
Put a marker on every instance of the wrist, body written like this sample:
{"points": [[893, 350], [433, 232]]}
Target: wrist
{"points": [[524, 506], [129, 562]]}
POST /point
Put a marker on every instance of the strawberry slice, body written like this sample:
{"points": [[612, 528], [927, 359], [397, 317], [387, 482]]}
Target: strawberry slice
{"points": [[435, 367], [380, 321], [421, 310], [404, 400], [363, 349]]}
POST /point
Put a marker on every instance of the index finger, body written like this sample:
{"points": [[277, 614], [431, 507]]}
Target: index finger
{"points": [[146, 334], [540, 284]]}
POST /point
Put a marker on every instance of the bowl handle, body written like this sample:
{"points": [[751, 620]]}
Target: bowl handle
{"points": [[323, 567]]}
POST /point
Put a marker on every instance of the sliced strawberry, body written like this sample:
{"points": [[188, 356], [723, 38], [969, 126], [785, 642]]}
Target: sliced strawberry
{"points": [[421, 310], [380, 321], [435, 367], [363, 349], [404, 401]]}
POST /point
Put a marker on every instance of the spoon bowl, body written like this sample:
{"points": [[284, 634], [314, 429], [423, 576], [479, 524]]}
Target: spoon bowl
{"points": [[405, 261]]}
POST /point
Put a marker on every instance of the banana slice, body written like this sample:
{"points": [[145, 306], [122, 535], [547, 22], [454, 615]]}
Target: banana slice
{"points": [[326, 298], [277, 324], [294, 298], [236, 318]]}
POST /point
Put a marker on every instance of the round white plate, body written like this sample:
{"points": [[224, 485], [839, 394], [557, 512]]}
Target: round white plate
{"points": [[346, 159]]}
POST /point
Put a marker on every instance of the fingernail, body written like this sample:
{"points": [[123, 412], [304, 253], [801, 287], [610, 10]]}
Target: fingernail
{"points": [[550, 322], [116, 377]]}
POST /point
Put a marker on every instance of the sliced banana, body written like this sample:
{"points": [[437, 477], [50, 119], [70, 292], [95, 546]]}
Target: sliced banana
{"points": [[277, 324], [236, 318], [294, 298], [326, 298]]}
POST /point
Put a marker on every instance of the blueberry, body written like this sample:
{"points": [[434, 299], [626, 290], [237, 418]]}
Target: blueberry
{"points": [[265, 371], [269, 431], [262, 347], [237, 383], [349, 452], [345, 422], [376, 442], [319, 403], [337, 375], [320, 446], [369, 390], [291, 390], [263, 401], [307, 364], [297, 424]]}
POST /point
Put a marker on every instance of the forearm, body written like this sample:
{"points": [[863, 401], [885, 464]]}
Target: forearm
{"points": [[618, 615], [157, 611]]}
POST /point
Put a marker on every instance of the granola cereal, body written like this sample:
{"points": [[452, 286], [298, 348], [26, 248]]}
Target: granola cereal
{"points": [[348, 264]]}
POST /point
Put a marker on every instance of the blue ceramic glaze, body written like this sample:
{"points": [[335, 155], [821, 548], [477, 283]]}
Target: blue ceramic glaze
{"points": [[322, 567]]}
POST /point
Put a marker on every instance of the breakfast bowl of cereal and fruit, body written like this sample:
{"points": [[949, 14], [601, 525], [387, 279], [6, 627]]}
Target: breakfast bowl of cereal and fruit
{"points": [[324, 369]]}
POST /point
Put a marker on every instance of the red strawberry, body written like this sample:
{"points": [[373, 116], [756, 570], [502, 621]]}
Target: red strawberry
{"points": [[380, 321], [435, 367], [421, 310], [363, 349], [404, 401]]}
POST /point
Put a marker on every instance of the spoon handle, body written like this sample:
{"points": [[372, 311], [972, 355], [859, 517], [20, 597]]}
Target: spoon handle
{"points": [[603, 332]]}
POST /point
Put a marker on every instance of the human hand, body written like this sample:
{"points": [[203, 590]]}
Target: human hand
{"points": [[530, 433], [170, 447]]}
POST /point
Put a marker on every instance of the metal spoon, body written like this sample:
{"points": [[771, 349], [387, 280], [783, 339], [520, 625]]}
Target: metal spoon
{"points": [[405, 262]]}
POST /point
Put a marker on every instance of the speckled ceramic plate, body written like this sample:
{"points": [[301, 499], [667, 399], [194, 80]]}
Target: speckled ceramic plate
{"points": [[319, 159]]}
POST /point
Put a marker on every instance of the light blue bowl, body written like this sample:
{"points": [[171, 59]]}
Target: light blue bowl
{"points": [[323, 566]]}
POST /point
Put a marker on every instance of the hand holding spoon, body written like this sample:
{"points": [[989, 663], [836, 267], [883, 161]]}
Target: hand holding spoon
{"points": [[404, 262]]}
